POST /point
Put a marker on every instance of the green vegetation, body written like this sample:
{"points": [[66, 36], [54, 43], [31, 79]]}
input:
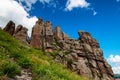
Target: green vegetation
{"points": [[116, 75], [14, 54]]}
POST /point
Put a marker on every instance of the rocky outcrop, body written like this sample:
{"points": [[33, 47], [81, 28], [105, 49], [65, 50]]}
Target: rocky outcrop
{"points": [[21, 33], [85, 57], [37, 34], [10, 27], [82, 56], [42, 36], [59, 35]]}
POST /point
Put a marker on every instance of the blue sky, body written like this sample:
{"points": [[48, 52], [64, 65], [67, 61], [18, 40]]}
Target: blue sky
{"points": [[99, 17]]}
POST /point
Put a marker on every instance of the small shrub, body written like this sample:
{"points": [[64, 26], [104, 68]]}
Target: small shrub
{"points": [[16, 55], [53, 54], [69, 62], [9, 69], [24, 62]]}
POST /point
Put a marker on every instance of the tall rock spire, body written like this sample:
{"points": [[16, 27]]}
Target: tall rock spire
{"points": [[42, 36]]}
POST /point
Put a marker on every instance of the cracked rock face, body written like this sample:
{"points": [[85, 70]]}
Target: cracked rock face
{"points": [[86, 58], [42, 35], [21, 33], [83, 56]]}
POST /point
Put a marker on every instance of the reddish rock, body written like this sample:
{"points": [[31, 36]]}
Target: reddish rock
{"points": [[42, 36], [87, 59], [10, 27], [58, 34], [37, 34], [48, 35], [21, 33], [83, 56]]}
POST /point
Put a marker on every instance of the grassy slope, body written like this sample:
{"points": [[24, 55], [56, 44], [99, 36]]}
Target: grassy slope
{"points": [[14, 54]]}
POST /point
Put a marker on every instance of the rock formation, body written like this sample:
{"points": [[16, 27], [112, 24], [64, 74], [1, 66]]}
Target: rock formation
{"points": [[42, 36], [59, 35], [21, 33], [82, 56], [10, 27], [85, 57]]}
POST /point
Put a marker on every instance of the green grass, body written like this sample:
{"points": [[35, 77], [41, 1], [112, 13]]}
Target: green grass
{"points": [[14, 54]]}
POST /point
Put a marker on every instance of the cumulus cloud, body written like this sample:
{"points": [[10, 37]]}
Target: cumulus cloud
{"points": [[115, 60], [12, 10], [76, 3], [71, 4]]}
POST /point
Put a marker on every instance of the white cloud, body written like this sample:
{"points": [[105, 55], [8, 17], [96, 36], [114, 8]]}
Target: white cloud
{"points": [[49, 3], [115, 60], [71, 4], [116, 69], [45, 1], [76, 3], [28, 4], [94, 13], [12, 10]]}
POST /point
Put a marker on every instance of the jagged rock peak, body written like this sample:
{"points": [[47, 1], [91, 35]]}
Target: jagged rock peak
{"points": [[42, 35], [10, 27], [59, 35], [85, 57], [86, 37], [20, 32], [82, 56]]}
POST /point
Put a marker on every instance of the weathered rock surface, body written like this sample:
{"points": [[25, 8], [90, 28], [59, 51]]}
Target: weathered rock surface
{"points": [[85, 57], [10, 27], [59, 35], [21, 33], [42, 36]]}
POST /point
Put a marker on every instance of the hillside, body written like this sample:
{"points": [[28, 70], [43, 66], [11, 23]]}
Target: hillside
{"points": [[82, 56], [16, 56]]}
